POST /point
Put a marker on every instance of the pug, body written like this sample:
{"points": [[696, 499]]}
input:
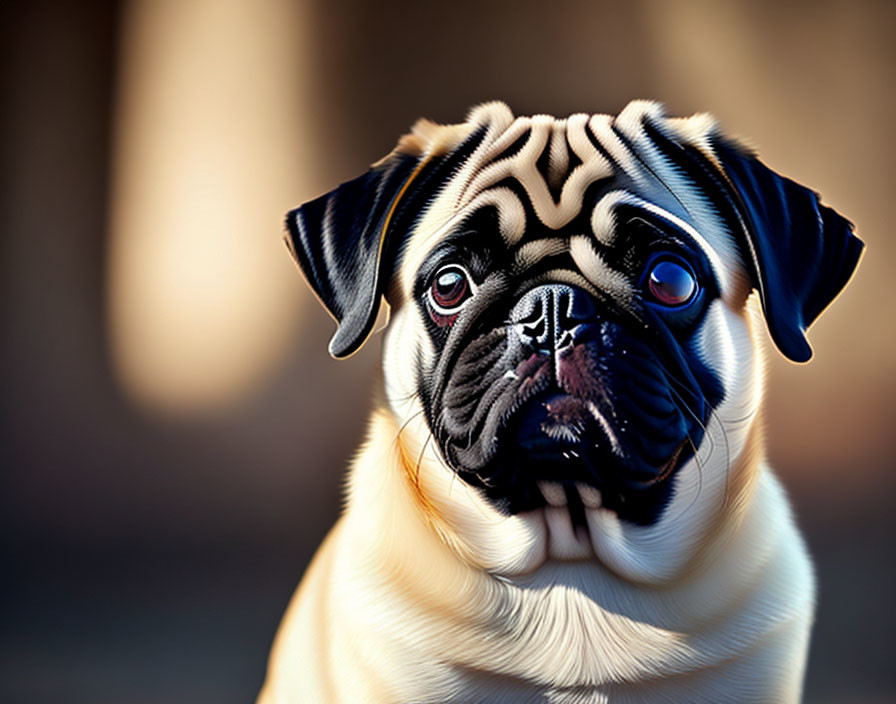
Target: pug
{"points": [[562, 496]]}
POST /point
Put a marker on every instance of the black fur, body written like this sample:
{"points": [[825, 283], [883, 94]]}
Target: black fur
{"points": [[802, 253], [348, 241]]}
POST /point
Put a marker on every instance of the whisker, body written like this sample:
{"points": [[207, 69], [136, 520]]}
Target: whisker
{"points": [[727, 458], [451, 483], [698, 395], [419, 460], [742, 419], [697, 419], [408, 397], [407, 422], [699, 474]]}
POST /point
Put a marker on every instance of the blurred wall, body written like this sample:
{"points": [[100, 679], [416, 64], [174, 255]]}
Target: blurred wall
{"points": [[174, 434]]}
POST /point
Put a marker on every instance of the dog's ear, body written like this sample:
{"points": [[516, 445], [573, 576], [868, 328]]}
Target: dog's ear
{"points": [[339, 241], [801, 253], [348, 241]]}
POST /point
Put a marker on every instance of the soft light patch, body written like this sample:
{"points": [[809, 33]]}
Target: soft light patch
{"points": [[202, 298]]}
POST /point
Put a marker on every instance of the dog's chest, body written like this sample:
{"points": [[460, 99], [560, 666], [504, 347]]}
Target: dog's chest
{"points": [[573, 634]]}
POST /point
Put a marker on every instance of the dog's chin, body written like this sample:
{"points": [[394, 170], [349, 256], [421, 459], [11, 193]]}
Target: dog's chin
{"points": [[559, 452]]}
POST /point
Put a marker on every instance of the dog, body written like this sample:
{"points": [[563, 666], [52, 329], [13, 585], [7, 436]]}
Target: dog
{"points": [[562, 496]]}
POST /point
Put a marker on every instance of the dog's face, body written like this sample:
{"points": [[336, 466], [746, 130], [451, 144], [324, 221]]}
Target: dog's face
{"points": [[569, 356]]}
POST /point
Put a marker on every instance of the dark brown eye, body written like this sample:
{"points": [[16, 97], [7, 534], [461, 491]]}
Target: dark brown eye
{"points": [[450, 289], [671, 283]]}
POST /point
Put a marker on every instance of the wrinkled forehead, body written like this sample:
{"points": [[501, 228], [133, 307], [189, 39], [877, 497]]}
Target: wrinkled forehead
{"points": [[568, 179]]}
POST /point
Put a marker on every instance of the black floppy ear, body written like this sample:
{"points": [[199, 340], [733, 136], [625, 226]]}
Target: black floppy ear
{"points": [[339, 241], [802, 253], [348, 241]]}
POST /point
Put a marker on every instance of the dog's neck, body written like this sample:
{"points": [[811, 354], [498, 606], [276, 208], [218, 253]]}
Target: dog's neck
{"points": [[572, 623]]}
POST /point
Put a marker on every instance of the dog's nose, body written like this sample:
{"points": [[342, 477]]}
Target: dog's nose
{"points": [[546, 316]]}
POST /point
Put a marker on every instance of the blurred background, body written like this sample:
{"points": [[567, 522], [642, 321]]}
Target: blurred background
{"points": [[174, 434]]}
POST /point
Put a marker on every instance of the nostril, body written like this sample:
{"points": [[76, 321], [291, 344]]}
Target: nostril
{"points": [[536, 331], [578, 306]]}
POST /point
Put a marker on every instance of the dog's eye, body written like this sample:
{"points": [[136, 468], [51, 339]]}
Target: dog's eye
{"points": [[451, 287], [671, 283]]}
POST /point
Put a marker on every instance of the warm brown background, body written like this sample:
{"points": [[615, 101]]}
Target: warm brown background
{"points": [[173, 433]]}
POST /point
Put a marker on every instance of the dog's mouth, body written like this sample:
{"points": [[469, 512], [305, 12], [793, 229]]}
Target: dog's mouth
{"points": [[564, 432], [612, 411], [559, 450]]}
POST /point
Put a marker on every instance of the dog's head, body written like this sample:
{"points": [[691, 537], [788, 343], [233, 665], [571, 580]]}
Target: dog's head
{"points": [[569, 339]]}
